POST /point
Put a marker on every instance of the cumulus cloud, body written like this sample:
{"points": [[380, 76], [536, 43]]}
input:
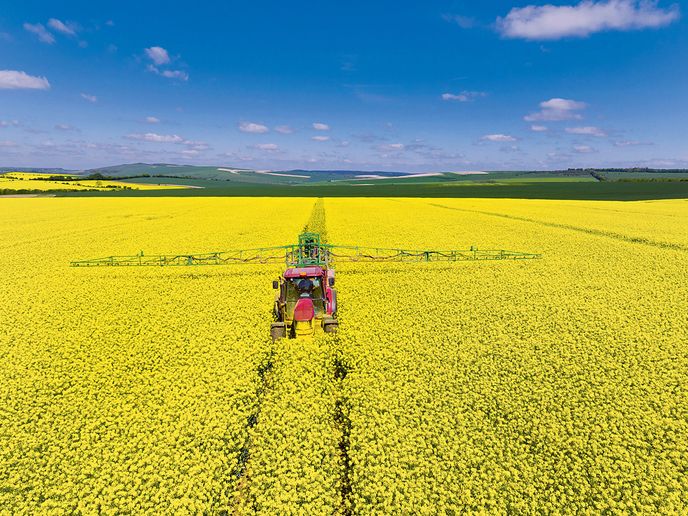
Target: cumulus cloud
{"points": [[392, 147], [252, 127], [498, 138], [587, 130], [629, 143], [152, 120], [41, 32], [270, 147], [538, 128], [158, 55], [196, 145], [583, 149], [557, 109], [9, 123], [169, 74], [157, 138], [17, 80], [319, 126], [284, 129], [464, 96], [90, 98], [320, 138], [68, 29], [175, 74], [548, 22]]}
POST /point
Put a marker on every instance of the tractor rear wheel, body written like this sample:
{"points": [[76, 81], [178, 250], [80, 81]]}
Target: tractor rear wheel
{"points": [[330, 325], [278, 330]]}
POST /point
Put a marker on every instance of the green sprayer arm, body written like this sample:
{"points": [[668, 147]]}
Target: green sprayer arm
{"points": [[309, 251]]}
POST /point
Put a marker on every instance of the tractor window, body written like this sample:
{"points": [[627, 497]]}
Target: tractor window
{"points": [[293, 294], [318, 301]]}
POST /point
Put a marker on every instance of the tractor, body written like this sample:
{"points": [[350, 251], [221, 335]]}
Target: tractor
{"points": [[305, 301]]}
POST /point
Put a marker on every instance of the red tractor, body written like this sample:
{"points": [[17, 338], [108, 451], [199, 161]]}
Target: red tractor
{"points": [[305, 303]]}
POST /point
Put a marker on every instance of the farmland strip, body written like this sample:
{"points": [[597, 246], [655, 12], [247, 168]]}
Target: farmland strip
{"points": [[317, 223], [589, 231], [272, 372]]}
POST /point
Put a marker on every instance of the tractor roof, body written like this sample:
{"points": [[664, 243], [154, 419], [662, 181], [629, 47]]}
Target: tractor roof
{"points": [[298, 272]]}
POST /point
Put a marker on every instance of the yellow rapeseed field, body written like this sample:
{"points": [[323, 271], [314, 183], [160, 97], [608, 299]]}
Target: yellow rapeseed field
{"points": [[554, 385], [34, 181]]}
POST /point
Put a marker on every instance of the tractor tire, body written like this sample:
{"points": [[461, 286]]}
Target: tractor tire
{"points": [[330, 325], [278, 330]]}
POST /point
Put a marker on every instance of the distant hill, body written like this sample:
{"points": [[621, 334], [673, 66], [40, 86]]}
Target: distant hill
{"points": [[37, 170], [231, 174], [608, 184]]}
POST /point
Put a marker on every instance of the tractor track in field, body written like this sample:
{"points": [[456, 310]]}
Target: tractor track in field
{"points": [[590, 231], [265, 378], [342, 421]]}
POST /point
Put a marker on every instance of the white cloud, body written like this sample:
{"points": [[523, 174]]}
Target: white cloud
{"points": [[157, 138], [498, 138], [152, 120], [169, 74], [16, 80], [538, 128], [65, 127], [40, 31], [319, 126], [252, 127], [9, 123], [175, 74], [158, 55], [392, 147], [190, 152], [196, 145], [464, 96], [587, 17], [7, 143], [556, 109], [587, 130], [68, 29], [161, 57], [628, 143], [583, 149], [91, 98], [320, 138], [271, 147], [284, 129]]}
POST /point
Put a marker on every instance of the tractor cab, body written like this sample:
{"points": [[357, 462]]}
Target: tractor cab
{"points": [[305, 302]]}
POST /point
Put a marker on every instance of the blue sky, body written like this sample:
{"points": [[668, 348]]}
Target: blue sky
{"points": [[410, 86]]}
